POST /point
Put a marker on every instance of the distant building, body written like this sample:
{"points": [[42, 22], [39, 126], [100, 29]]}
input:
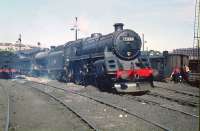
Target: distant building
{"points": [[191, 52], [14, 47]]}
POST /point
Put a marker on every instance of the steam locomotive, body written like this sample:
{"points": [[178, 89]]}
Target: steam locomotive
{"points": [[111, 61]]}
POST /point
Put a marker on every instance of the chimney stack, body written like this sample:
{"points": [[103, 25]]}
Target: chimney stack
{"points": [[118, 26]]}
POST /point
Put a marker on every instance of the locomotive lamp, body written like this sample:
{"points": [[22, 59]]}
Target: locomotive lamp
{"points": [[129, 53]]}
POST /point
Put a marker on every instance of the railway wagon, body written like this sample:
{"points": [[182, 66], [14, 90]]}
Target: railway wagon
{"points": [[194, 75], [174, 60], [166, 62]]}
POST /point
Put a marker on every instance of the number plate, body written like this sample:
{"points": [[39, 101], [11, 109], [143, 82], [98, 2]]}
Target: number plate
{"points": [[128, 39]]}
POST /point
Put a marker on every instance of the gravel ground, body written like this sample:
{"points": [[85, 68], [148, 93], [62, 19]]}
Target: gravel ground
{"points": [[178, 87], [102, 116], [171, 104], [171, 119], [175, 95], [33, 111], [3, 108]]}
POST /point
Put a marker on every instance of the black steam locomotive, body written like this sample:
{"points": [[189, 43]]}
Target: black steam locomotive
{"points": [[111, 61]]}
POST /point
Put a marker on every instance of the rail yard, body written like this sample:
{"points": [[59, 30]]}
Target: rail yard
{"points": [[132, 65], [43, 104], [101, 82]]}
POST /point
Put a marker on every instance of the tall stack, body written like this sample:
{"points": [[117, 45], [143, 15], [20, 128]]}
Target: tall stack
{"points": [[196, 43]]}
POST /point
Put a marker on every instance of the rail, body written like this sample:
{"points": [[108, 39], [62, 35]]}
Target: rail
{"points": [[180, 92], [92, 126], [7, 117], [194, 78], [162, 106], [110, 105], [180, 101]]}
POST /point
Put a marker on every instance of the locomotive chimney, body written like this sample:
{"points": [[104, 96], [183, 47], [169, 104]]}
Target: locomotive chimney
{"points": [[53, 47], [118, 26], [165, 53]]}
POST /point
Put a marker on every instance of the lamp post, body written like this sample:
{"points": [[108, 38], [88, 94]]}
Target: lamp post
{"points": [[143, 42], [75, 28]]}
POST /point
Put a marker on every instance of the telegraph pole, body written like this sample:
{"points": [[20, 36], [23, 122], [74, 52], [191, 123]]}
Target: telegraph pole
{"points": [[196, 51], [198, 54], [75, 28], [196, 29], [142, 42]]}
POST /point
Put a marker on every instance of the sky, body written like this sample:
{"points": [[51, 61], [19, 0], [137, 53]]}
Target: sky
{"points": [[166, 24]]}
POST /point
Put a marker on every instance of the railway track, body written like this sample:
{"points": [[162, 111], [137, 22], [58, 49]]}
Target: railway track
{"points": [[179, 92], [136, 98], [7, 117], [31, 119], [101, 102], [92, 126], [179, 101]]}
